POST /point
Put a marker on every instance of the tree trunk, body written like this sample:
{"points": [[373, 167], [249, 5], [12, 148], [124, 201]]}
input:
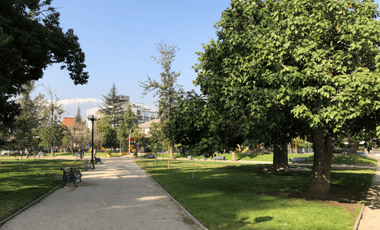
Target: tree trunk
{"points": [[355, 147], [320, 179], [51, 151], [233, 156], [171, 153], [280, 155]]}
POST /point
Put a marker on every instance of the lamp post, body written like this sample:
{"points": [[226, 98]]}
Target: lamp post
{"points": [[92, 119]]}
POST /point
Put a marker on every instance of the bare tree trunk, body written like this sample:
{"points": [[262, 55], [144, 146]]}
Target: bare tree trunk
{"points": [[171, 152], [51, 151], [320, 179], [233, 156], [193, 168], [355, 147], [280, 155]]}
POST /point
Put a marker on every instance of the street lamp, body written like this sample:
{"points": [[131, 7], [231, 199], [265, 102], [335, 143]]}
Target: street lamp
{"points": [[92, 119]]}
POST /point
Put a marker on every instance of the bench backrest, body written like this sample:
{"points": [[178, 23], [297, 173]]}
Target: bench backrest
{"points": [[67, 169]]}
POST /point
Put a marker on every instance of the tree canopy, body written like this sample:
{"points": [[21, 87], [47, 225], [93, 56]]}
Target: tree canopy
{"points": [[30, 40], [112, 107], [313, 63]]}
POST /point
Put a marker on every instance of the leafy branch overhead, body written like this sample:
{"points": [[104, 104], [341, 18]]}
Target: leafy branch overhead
{"points": [[30, 40]]}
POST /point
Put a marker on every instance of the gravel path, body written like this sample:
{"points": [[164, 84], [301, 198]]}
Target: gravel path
{"points": [[371, 212], [116, 195]]}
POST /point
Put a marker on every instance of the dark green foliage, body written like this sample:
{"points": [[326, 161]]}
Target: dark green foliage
{"points": [[284, 69], [112, 107], [30, 40]]}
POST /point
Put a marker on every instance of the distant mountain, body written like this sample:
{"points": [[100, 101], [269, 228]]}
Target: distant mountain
{"points": [[89, 105]]}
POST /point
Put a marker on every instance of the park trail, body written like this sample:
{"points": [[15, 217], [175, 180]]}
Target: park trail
{"points": [[118, 194]]}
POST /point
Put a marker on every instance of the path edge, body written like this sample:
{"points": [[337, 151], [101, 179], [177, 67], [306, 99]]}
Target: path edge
{"points": [[29, 205], [188, 213]]}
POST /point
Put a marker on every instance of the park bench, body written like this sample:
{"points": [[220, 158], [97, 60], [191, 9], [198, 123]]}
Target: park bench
{"points": [[298, 159], [149, 156], [218, 158], [70, 175]]}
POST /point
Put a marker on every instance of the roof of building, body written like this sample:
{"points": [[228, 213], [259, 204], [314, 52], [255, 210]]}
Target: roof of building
{"points": [[68, 121], [149, 123]]}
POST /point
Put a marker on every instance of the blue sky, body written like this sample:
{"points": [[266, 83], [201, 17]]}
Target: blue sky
{"points": [[119, 37]]}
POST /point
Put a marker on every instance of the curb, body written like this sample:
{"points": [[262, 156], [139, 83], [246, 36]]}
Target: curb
{"points": [[356, 226], [29, 205], [188, 213]]}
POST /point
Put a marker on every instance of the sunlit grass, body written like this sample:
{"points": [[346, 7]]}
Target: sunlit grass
{"points": [[19, 187], [350, 159], [233, 196]]}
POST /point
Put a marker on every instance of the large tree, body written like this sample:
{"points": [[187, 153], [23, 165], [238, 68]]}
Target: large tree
{"points": [[30, 40], [112, 107], [166, 90], [313, 62]]}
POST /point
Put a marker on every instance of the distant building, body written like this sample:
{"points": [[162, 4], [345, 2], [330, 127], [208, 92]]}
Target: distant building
{"points": [[68, 121], [143, 112], [145, 127]]}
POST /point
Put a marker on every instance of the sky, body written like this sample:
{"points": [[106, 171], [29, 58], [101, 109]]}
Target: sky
{"points": [[118, 38]]}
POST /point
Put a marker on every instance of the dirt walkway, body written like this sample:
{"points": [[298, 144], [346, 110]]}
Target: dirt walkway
{"points": [[116, 195]]}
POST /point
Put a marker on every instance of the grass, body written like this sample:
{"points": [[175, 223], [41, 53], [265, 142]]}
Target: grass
{"points": [[349, 159], [234, 196], [20, 187]]}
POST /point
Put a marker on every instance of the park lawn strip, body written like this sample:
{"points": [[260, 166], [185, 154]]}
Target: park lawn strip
{"points": [[351, 159], [236, 196], [20, 187]]}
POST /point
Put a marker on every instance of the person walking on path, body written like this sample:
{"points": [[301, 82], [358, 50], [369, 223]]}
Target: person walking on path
{"points": [[116, 195]]}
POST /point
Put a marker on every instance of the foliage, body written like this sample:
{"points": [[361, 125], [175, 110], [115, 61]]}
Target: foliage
{"points": [[112, 107], [31, 39], [157, 138], [78, 117], [127, 125], [27, 123], [51, 130], [108, 133], [167, 90], [317, 63], [198, 127]]}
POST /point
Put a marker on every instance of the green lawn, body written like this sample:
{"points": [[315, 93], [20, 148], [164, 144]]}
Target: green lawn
{"points": [[349, 159], [235, 196], [19, 187]]}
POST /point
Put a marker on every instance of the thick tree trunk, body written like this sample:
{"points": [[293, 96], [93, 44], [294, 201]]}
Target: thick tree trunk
{"points": [[280, 155], [320, 179], [355, 147], [51, 151], [233, 156]]}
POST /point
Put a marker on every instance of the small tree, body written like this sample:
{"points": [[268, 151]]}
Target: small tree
{"points": [[167, 90], [127, 125]]}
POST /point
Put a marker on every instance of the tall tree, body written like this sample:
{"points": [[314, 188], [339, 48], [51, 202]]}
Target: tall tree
{"points": [[112, 107], [30, 40], [78, 117], [28, 121], [51, 129], [128, 124], [314, 63], [166, 90]]}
